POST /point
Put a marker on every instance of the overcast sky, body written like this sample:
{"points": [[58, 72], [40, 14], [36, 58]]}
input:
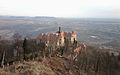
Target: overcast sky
{"points": [[61, 8]]}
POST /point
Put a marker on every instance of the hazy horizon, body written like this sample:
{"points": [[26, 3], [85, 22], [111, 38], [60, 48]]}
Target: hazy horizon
{"points": [[17, 16], [61, 8]]}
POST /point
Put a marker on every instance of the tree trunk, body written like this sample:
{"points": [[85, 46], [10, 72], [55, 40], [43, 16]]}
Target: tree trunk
{"points": [[3, 58]]}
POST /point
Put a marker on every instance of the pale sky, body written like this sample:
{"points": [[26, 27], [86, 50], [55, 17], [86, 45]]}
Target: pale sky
{"points": [[61, 8]]}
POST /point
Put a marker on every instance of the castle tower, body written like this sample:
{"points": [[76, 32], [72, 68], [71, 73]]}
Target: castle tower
{"points": [[59, 30]]}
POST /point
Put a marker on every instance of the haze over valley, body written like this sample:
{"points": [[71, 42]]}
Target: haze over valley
{"points": [[94, 31]]}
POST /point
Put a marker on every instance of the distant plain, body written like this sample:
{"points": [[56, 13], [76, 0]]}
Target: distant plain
{"points": [[94, 31]]}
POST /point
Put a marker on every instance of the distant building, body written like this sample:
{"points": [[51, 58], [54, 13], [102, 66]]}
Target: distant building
{"points": [[57, 38]]}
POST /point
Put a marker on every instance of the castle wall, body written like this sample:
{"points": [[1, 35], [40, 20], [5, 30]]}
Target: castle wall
{"points": [[57, 38]]}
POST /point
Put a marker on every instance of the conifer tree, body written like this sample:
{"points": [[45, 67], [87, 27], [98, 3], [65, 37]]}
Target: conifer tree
{"points": [[25, 47]]}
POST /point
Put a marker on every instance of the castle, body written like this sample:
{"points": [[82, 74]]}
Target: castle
{"points": [[57, 38]]}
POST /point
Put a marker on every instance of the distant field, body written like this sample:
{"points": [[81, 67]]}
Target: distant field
{"points": [[93, 31]]}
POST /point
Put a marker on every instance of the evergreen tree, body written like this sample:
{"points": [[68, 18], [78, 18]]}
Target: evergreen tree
{"points": [[25, 47]]}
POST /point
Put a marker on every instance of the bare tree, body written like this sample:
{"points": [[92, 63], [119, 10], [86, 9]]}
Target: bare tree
{"points": [[3, 59], [17, 44]]}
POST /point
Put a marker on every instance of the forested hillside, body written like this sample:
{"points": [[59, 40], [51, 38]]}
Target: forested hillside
{"points": [[28, 57]]}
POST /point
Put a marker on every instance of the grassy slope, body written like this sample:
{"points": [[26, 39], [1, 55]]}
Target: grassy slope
{"points": [[48, 66]]}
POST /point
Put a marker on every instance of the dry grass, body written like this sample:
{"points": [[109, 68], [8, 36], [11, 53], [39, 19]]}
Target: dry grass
{"points": [[3, 72], [48, 66], [27, 68]]}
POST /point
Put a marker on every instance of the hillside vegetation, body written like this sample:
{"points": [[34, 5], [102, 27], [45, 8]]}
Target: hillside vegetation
{"points": [[48, 66], [93, 61], [29, 57]]}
